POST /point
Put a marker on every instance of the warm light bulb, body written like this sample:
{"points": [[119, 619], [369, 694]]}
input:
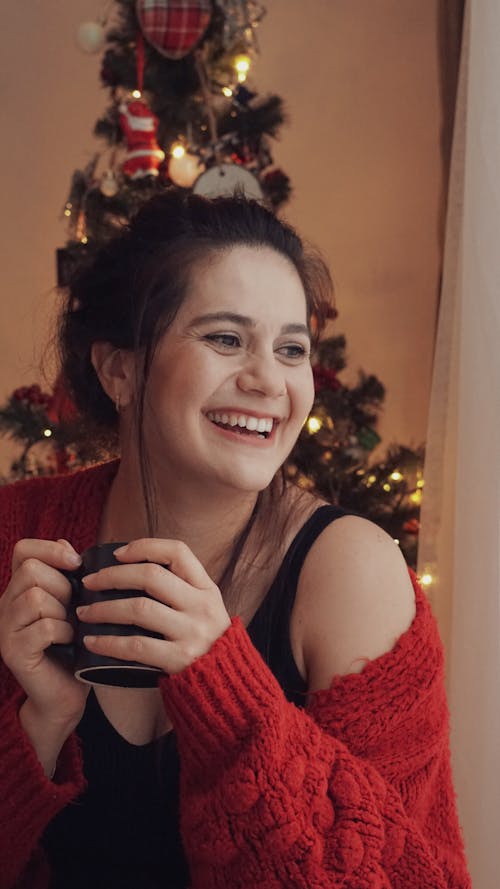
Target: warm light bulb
{"points": [[420, 483], [313, 425], [416, 497], [387, 487], [304, 482], [426, 579], [242, 64], [227, 91], [136, 94], [47, 433], [178, 150], [396, 476], [242, 76], [84, 240], [67, 212], [396, 541]]}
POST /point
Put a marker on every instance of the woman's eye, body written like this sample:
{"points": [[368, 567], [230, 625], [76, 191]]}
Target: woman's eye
{"points": [[293, 351], [225, 340]]}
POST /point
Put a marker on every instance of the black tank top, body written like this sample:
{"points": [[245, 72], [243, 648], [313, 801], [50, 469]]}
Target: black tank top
{"points": [[123, 832]]}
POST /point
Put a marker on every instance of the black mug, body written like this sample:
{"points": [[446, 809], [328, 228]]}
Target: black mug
{"points": [[97, 669]]}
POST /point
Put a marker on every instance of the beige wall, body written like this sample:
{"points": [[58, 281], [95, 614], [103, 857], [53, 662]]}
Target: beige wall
{"points": [[360, 81]]}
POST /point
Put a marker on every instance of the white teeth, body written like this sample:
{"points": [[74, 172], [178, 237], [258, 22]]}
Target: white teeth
{"points": [[243, 421]]}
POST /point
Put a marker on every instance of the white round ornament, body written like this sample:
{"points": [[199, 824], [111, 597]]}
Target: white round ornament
{"points": [[184, 170], [90, 36], [226, 179]]}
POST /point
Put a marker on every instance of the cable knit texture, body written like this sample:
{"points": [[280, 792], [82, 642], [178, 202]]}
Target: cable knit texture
{"points": [[354, 792]]}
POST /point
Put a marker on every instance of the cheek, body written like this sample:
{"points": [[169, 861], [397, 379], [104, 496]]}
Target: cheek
{"points": [[304, 393]]}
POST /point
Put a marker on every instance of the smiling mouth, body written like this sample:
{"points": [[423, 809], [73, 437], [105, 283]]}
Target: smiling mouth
{"points": [[243, 424]]}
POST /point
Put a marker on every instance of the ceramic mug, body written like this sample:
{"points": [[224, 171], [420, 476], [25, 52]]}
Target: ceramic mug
{"points": [[98, 669]]}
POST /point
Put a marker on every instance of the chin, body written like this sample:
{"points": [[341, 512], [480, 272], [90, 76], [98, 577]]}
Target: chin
{"points": [[250, 483]]}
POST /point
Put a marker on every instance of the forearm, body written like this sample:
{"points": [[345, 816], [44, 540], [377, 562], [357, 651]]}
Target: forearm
{"points": [[269, 793], [47, 737], [28, 800]]}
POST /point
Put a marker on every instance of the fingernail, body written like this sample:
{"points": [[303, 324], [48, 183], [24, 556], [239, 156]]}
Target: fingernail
{"points": [[73, 559], [81, 610], [120, 549], [90, 639]]}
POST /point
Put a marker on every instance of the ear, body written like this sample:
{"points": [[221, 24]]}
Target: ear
{"points": [[116, 371]]}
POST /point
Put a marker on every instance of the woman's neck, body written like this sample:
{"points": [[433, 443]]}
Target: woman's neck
{"points": [[208, 522]]}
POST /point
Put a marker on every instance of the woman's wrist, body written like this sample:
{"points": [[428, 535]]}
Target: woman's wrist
{"points": [[46, 735]]}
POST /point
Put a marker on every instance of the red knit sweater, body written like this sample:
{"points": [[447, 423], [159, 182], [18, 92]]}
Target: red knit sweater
{"points": [[354, 792]]}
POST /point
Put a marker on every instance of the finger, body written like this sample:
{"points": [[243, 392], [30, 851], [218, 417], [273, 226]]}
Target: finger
{"points": [[35, 604], [57, 553], [174, 553], [165, 655], [155, 580], [49, 631], [140, 611], [30, 643], [34, 573]]}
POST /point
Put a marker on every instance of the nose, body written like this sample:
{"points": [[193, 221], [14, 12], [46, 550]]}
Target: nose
{"points": [[262, 374]]}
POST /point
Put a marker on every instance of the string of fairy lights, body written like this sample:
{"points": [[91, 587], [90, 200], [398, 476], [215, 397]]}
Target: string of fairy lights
{"points": [[394, 479]]}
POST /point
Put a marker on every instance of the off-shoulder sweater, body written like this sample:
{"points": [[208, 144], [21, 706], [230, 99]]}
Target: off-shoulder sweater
{"points": [[352, 792]]}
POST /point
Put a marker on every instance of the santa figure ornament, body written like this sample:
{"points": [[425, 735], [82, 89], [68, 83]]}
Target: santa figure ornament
{"points": [[140, 127]]}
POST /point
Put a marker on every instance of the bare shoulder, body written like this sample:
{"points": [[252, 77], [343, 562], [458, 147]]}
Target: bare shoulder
{"points": [[354, 600]]}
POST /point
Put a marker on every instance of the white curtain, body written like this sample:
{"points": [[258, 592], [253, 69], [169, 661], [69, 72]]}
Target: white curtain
{"points": [[460, 535]]}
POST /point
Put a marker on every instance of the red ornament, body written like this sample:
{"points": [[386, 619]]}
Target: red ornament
{"points": [[412, 526], [174, 27], [60, 408], [140, 126], [325, 378], [62, 460], [31, 395]]}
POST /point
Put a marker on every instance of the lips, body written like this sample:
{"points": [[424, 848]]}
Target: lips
{"points": [[246, 424]]}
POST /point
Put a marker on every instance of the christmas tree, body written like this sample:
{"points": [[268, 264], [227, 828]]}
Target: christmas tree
{"points": [[181, 113]]}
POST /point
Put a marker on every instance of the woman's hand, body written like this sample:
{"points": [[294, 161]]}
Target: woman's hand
{"points": [[32, 617], [185, 607]]}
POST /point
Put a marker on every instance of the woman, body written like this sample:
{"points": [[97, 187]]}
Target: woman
{"points": [[302, 675]]}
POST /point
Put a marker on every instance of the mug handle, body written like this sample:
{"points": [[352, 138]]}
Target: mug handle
{"points": [[66, 652]]}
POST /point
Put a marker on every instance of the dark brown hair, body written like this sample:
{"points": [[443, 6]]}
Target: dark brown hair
{"points": [[130, 290]]}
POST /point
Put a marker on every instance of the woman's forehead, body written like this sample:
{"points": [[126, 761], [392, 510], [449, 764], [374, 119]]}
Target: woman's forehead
{"points": [[246, 279]]}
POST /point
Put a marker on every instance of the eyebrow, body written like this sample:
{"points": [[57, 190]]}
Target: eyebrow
{"points": [[245, 321]]}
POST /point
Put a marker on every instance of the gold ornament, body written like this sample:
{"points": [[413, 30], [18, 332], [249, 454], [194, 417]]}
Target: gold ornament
{"points": [[184, 168]]}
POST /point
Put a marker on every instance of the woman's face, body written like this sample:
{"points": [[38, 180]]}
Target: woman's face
{"points": [[230, 384]]}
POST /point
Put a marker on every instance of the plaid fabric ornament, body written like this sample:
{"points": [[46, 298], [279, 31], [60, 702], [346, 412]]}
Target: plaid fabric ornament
{"points": [[174, 27]]}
